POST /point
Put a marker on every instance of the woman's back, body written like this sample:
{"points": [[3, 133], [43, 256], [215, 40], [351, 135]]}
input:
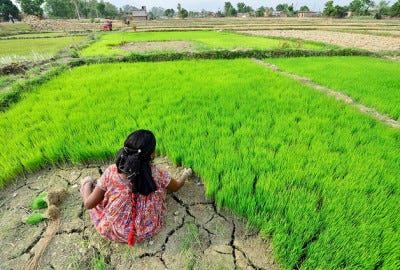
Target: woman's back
{"points": [[113, 215]]}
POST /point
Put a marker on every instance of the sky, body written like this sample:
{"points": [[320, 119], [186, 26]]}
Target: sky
{"points": [[212, 5]]}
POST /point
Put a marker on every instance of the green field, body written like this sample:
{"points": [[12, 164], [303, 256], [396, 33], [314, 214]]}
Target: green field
{"points": [[31, 49], [372, 82], [202, 40], [317, 176]]}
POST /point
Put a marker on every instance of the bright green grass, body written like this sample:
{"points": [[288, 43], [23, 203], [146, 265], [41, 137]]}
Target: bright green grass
{"points": [[202, 40], [31, 48], [371, 81], [317, 175]]}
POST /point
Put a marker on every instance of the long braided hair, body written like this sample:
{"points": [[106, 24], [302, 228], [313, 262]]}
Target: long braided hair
{"points": [[134, 160]]}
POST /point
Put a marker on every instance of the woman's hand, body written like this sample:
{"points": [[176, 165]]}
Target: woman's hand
{"points": [[175, 185], [187, 173]]}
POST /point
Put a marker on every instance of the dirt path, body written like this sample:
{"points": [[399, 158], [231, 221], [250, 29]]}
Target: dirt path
{"points": [[196, 236], [362, 41], [338, 95]]}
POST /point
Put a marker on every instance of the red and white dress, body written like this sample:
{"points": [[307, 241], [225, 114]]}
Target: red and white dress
{"points": [[112, 217]]}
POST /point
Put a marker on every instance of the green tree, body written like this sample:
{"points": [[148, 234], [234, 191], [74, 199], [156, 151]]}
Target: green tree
{"points": [[395, 9], [285, 8], [381, 9], [229, 10], [7, 7], [340, 11], [243, 8], [31, 7], [110, 10], [361, 7], [260, 11], [281, 7], [170, 12], [182, 13], [59, 8], [304, 8], [329, 9], [101, 8]]}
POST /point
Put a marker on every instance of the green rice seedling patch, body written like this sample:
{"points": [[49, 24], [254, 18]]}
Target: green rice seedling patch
{"points": [[371, 81], [110, 44], [316, 175], [32, 49]]}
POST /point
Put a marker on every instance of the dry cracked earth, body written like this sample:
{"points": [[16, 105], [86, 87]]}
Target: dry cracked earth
{"points": [[197, 235]]}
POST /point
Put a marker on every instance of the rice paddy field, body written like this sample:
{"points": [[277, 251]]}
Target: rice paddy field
{"points": [[110, 44], [374, 82], [318, 177]]}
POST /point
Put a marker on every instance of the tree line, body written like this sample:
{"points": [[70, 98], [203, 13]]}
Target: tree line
{"points": [[363, 8], [357, 7], [101, 9], [60, 8]]}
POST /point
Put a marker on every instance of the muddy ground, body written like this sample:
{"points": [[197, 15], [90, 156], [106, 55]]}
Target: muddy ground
{"points": [[362, 41], [153, 46], [197, 235]]}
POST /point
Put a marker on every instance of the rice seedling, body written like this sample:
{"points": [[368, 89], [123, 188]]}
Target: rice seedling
{"points": [[110, 44], [371, 81], [35, 218], [316, 175], [39, 202]]}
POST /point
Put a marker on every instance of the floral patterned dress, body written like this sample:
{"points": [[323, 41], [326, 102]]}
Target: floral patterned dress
{"points": [[112, 217]]}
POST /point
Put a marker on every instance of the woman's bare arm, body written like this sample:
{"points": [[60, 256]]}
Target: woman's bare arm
{"points": [[92, 197], [175, 185]]}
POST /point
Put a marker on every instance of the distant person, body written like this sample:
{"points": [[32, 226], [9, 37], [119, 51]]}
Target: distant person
{"points": [[11, 17], [127, 204], [109, 23]]}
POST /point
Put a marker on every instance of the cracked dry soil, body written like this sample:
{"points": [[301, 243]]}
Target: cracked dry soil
{"points": [[196, 234]]}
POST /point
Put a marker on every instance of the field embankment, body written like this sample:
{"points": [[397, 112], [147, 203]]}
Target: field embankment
{"points": [[354, 40]]}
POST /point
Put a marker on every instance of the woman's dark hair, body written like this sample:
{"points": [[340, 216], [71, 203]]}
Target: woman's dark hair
{"points": [[134, 160]]}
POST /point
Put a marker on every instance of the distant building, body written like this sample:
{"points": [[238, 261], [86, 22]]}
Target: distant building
{"points": [[139, 14], [304, 14], [243, 15], [348, 14], [278, 14]]}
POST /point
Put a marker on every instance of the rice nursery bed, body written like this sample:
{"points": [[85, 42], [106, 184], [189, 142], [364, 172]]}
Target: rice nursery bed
{"points": [[29, 49], [371, 81], [317, 176], [110, 44]]}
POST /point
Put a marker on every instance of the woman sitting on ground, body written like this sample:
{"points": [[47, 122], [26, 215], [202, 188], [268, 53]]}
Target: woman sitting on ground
{"points": [[128, 202]]}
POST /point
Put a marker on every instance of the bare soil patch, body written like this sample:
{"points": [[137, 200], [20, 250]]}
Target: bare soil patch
{"points": [[151, 46], [362, 41], [196, 233]]}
